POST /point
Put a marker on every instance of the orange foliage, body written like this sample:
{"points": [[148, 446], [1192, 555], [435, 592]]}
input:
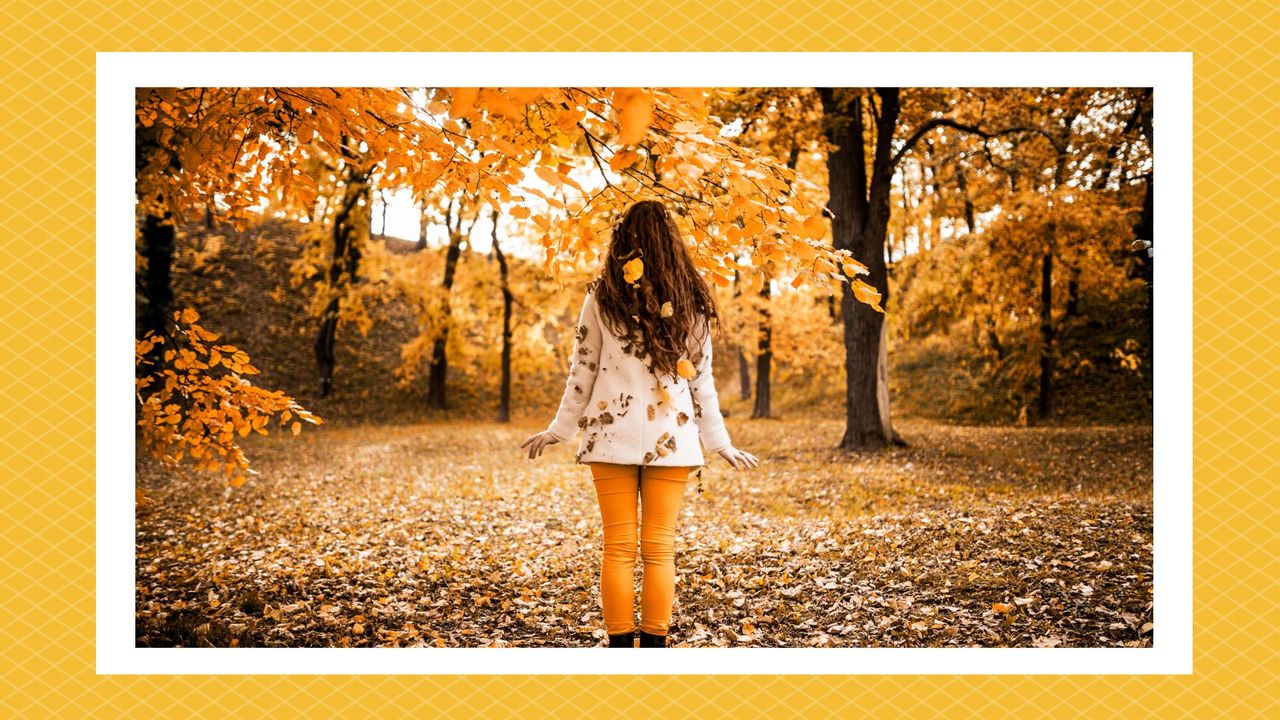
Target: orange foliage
{"points": [[199, 401]]}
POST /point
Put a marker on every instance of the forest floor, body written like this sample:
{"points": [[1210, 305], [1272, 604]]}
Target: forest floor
{"points": [[446, 534]]}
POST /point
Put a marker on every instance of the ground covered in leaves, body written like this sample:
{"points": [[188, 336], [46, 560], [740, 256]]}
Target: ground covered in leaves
{"points": [[447, 535]]}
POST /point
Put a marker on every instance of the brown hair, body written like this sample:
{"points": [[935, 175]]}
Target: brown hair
{"points": [[633, 311]]}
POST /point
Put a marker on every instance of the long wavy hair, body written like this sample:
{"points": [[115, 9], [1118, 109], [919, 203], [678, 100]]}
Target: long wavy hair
{"points": [[634, 311]]}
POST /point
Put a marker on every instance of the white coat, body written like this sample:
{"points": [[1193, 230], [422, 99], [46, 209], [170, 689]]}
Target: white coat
{"points": [[616, 400]]}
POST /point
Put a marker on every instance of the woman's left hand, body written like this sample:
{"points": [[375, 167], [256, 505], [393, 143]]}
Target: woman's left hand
{"points": [[538, 441]]}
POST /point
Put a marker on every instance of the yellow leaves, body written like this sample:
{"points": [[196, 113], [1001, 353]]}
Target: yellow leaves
{"points": [[694, 96], [803, 251], [501, 103], [853, 267], [667, 310], [690, 170], [685, 369], [296, 427], [548, 175], [814, 227], [634, 108], [662, 391], [462, 101], [1005, 610], [632, 270], [866, 294], [205, 403], [567, 119], [623, 159]]}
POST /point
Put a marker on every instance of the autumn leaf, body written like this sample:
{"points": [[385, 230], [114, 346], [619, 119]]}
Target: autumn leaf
{"points": [[635, 113], [866, 294], [623, 159], [548, 175], [685, 369], [462, 101], [814, 227], [666, 310], [852, 267], [632, 270]]}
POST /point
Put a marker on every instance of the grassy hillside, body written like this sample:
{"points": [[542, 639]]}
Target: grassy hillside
{"points": [[240, 284]]}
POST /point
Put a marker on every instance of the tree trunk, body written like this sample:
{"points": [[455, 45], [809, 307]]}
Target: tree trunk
{"points": [[962, 184], [764, 340], [744, 375], [1073, 292], [348, 225], [1144, 231], [504, 406], [157, 284], [436, 378], [158, 235], [1048, 351], [382, 195], [1045, 402], [744, 367], [764, 356], [860, 224], [424, 221]]}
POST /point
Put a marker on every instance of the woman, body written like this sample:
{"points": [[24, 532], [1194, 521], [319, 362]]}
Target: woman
{"points": [[641, 389]]}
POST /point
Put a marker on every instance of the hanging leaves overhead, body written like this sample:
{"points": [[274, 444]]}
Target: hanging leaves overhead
{"points": [[593, 151]]}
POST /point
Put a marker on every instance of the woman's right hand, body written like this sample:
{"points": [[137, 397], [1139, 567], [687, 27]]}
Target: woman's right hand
{"points": [[537, 442], [739, 459]]}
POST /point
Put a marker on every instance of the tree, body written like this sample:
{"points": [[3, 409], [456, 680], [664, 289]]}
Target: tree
{"points": [[458, 234], [504, 392], [350, 234]]}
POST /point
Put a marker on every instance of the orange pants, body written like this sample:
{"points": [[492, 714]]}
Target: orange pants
{"points": [[661, 493]]}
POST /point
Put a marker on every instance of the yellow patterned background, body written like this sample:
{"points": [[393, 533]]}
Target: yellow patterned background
{"points": [[47, 331]]}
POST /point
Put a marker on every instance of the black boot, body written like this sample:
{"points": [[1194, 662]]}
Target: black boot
{"points": [[623, 640], [649, 640]]}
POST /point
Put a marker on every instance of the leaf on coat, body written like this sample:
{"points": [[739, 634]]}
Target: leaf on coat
{"points": [[685, 368], [682, 418], [666, 443]]}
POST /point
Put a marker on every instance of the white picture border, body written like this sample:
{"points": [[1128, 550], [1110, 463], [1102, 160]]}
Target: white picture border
{"points": [[118, 74]]}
